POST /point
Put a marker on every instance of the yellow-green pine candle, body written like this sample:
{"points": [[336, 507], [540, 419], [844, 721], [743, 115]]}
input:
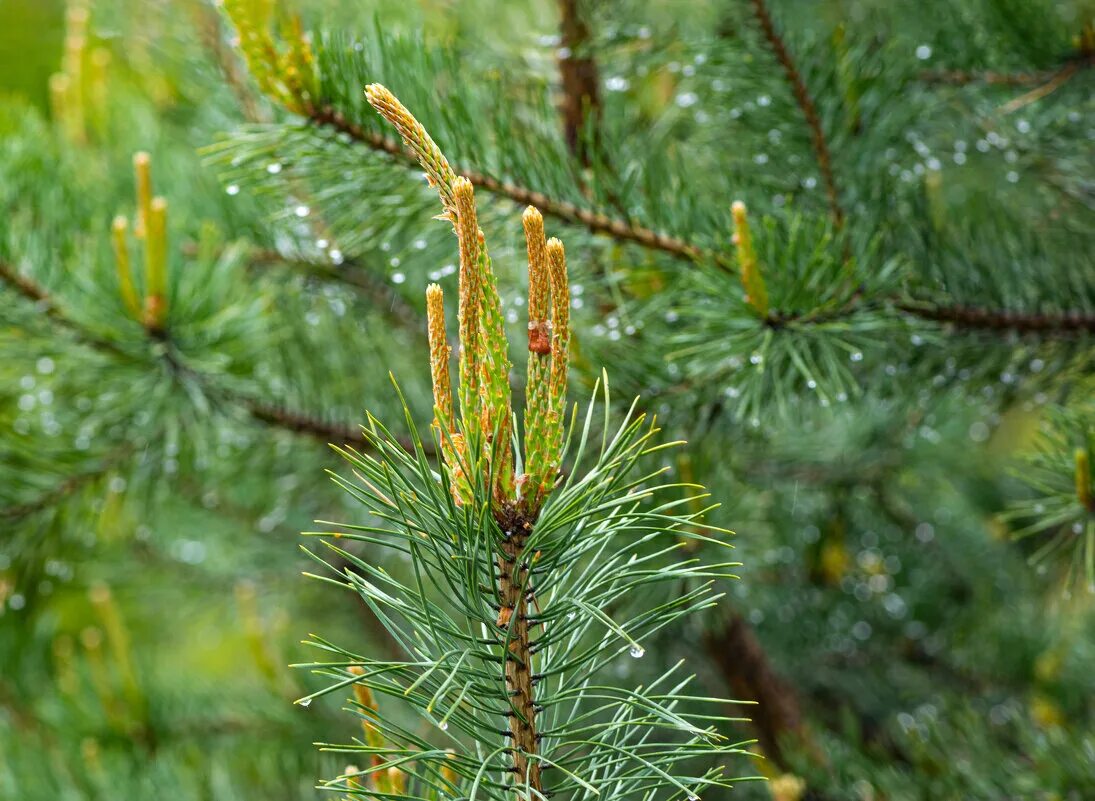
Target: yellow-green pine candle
{"points": [[156, 264], [429, 155], [118, 639], [560, 351], [751, 279], [439, 356], [97, 89], [1083, 480], [537, 394], [59, 85], [142, 169], [470, 306], [374, 738], [121, 261]]}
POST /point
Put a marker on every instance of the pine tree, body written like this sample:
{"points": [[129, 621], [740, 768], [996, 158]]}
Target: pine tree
{"points": [[841, 248]]}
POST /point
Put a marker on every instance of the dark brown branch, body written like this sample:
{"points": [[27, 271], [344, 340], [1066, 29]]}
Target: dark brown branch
{"points": [[741, 659], [1082, 58], [562, 210], [806, 104], [976, 318], [327, 431], [581, 102]]}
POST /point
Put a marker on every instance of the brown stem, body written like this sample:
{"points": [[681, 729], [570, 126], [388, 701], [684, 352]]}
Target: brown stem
{"points": [[743, 662], [596, 222], [806, 104], [975, 318], [208, 23], [327, 431], [1082, 58], [515, 594], [581, 102]]}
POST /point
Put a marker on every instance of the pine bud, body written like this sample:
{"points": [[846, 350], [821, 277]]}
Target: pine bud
{"points": [[538, 281], [470, 305], [121, 262], [98, 89], [447, 772], [156, 264], [439, 356], [427, 152], [537, 390], [142, 168], [1083, 480], [756, 294], [560, 323]]}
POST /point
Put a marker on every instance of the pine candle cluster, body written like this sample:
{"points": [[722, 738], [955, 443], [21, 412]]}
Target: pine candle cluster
{"points": [[151, 229], [479, 443]]}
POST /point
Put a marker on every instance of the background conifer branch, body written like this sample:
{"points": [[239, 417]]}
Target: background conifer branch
{"points": [[806, 104]]}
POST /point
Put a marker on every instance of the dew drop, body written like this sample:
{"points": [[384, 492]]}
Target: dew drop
{"points": [[232, 189], [443, 725], [637, 651], [305, 702], [302, 211], [857, 356], [273, 168]]}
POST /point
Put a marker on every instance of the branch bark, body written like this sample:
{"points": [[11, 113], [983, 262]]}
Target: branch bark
{"points": [[806, 104], [741, 659], [595, 222], [581, 103]]}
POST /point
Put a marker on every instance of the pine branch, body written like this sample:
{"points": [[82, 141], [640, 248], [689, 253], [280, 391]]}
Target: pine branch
{"points": [[57, 493], [353, 273], [329, 117], [296, 422], [1081, 59], [806, 104], [327, 431], [581, 105], [976, 318], [208, 23], [33, 292], [745, 666]]}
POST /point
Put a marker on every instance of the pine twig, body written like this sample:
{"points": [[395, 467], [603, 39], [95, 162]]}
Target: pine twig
{"points": [[595, 222], [63, 489], [282, 418], [327, 431], [741, 659], [806, 104], [35, 293], [978, 318], [581, 103]]}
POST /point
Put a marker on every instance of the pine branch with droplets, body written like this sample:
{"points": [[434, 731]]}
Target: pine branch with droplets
{"points": [[524, 590]]}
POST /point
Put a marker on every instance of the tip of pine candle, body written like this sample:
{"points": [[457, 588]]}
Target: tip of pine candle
{"points": [[738, 208]]}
